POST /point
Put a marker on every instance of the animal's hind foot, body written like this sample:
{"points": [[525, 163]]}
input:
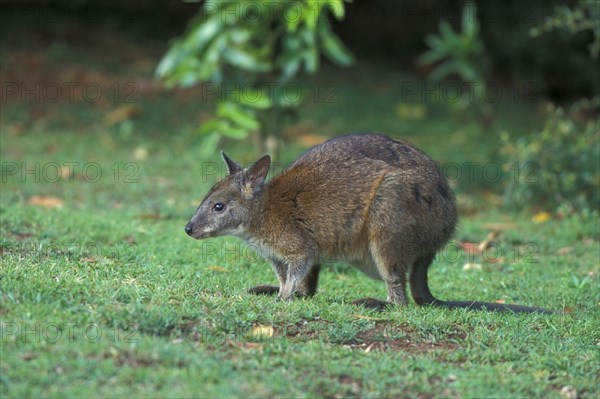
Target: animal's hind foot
{"points": [[264, 290], [372, 303]]}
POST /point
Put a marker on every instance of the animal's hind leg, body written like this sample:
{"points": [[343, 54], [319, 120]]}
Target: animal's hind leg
{"points": [[397, 291], [392, 266], [308, 286], [396, 296], [418, 280]]}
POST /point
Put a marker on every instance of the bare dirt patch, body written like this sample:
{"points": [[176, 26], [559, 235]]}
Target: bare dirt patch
{"points": [[384, 337], [125, 358]]}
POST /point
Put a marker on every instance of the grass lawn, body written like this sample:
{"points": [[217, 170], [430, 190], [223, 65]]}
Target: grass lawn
{"points": [[103, 294]]}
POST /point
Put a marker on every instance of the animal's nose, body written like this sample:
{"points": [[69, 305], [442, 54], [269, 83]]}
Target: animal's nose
{"points": [[189, 229]]}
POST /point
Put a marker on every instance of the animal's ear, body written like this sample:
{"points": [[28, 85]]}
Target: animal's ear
{"points": [[232, 166], [257, 173]]}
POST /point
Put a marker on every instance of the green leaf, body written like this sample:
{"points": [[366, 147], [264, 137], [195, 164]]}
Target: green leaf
{"points": [[289, 65], [222, 127], [446, 31], [168, 63], [239, 36], [311, 13], [444, 70], [234, 132], [434, 42], [460, 53], [332, 46], [311, 59], [204, 33], [310, 54], [257, 48], [185, 78], [432, 56], [241, 117], [210, 143], [337, 8], [292, 43], [469, 19], [253, 98], [212, 126], [293, 17], [288, 96], [182, 60], [210, 61], [244, 60]]}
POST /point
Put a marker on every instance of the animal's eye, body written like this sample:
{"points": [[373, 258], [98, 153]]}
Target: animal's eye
{"points": [[218, 207]]}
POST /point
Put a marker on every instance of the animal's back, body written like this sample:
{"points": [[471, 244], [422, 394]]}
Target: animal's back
{"points": [[356, 188]]}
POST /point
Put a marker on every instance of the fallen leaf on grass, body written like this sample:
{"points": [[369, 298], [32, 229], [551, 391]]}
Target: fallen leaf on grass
{"points": [[410, 112], [492, 198], [45, 201], [140, 154], [310, 140], [587, 240], [541, 217], [262, 331], [368, 348], [500, 226], [21, 236], [129, 239], [66, 173], [568, 392], [244, 345], [363, 317], [500, 301], [217, 269], [472, 266], [15, 128], [297, 130], [121, 114], [483, 245], [565, 250], [472, 248]]}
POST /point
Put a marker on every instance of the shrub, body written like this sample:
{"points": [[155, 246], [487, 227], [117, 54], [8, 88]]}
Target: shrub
{"points": [[557, 166], [253, 51]]}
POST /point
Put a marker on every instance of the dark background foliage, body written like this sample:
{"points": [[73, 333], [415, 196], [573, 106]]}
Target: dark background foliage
{"points": [[384, 31]]}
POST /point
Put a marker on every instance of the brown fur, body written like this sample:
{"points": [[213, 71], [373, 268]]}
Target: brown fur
{"points": [[380, 204]]}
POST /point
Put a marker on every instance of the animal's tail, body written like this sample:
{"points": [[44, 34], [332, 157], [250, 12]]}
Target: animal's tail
{"points": [[422, 296], [488, 306]]}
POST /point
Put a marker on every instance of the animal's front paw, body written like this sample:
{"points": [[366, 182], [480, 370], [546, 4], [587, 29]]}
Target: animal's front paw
{"points": [[372, 303], [263, 290]]}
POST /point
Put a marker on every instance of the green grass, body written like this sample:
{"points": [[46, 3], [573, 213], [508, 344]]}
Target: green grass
{"points": [[107, 296]]}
